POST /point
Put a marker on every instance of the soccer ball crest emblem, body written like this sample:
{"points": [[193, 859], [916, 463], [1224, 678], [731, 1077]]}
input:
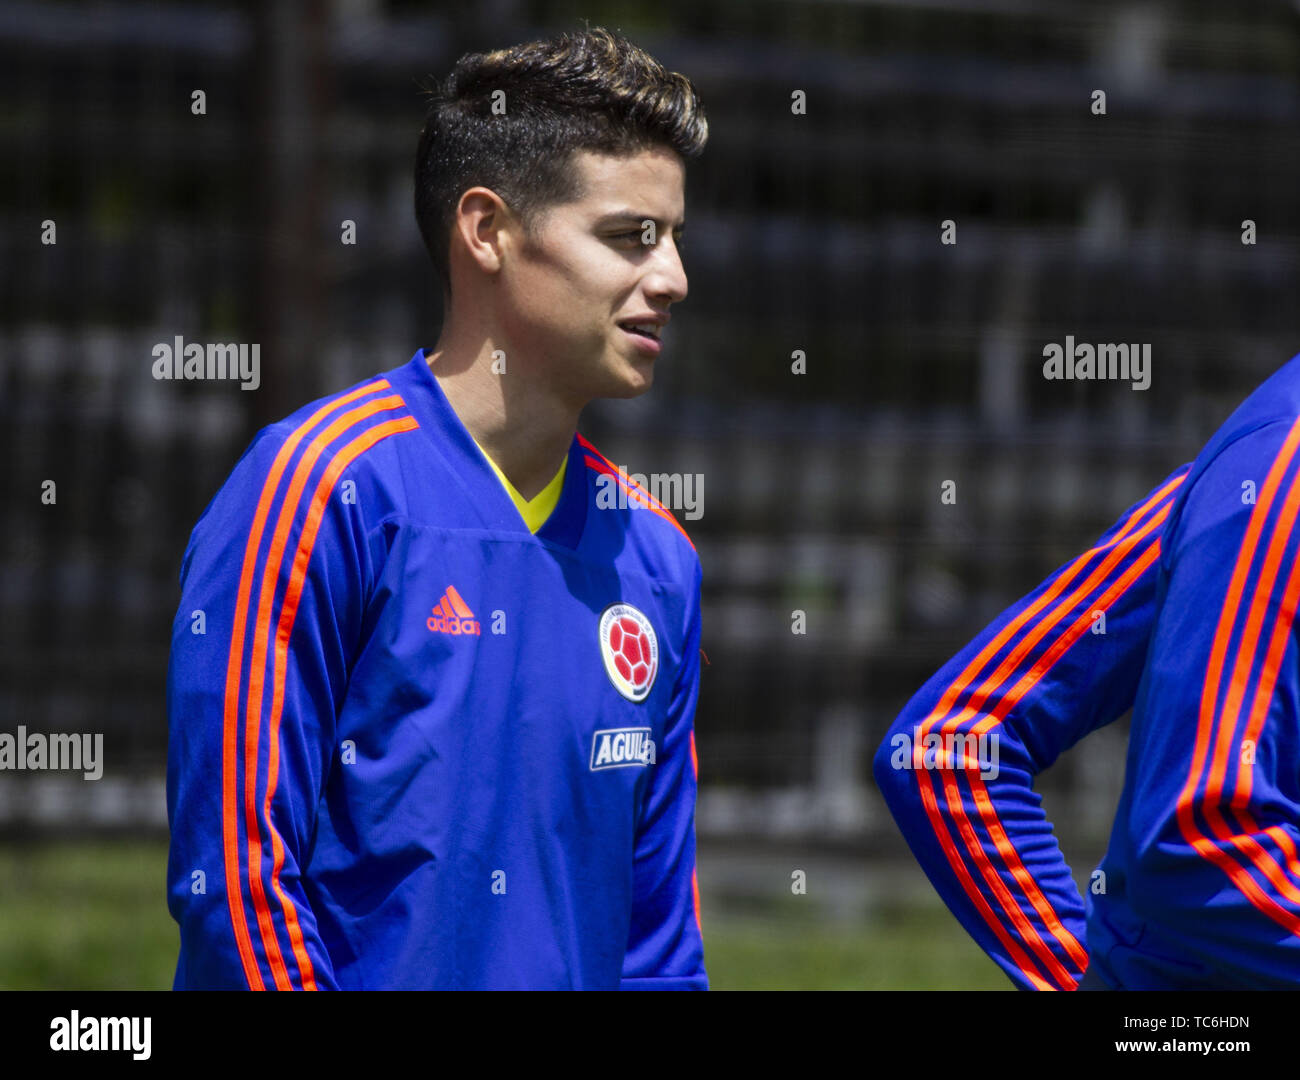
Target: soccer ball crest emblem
{"points": [[630, 650]]}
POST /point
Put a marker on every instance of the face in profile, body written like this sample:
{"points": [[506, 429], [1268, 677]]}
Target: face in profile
{"points": [[572, 296]]}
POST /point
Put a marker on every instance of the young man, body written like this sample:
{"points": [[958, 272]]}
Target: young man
{"points": [[1185, 612], [434, 724]]}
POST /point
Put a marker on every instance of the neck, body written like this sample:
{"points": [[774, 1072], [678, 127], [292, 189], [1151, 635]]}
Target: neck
{"points": [[522, 422]]}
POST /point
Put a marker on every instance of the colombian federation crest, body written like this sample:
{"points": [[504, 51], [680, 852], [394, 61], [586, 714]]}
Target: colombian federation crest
{"points": [[630, 650]]}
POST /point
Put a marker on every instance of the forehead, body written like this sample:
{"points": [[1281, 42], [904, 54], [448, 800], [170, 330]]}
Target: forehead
{"points": [[651, 181]]}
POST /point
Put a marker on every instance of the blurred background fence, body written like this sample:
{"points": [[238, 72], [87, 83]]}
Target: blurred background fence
{"points": [[817, 232]]}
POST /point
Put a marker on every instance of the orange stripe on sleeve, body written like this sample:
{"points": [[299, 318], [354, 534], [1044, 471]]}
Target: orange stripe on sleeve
{"points": [[695, 895], [284, 632], [1058, 587], [257, 667], [1246, 654], [1210, 801], [984, 804], [1122, 544], [230, 728], [1027, 967]]}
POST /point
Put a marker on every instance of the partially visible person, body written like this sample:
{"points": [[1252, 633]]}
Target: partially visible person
{"points": [[1184, 611]]}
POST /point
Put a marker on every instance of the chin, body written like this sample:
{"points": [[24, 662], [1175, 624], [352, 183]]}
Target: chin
{"points": [[633, 381], [639, 383]]}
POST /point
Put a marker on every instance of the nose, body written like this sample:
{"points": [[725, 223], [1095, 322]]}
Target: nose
{"points": [[667, 275]]}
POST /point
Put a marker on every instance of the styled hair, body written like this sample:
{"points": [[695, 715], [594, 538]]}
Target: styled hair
{"points": [[511, 120]]}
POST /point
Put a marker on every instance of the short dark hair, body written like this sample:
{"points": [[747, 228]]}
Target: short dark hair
{"points": [[587, 90]]}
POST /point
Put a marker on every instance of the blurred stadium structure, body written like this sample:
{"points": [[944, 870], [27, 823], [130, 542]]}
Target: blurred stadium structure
{"points": [[817, 232]]}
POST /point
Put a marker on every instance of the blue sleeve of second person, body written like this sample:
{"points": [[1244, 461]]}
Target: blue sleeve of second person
{"points": [[957, 766], [1211, 812]]}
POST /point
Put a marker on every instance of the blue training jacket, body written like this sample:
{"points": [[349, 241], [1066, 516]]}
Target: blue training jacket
{"points": [[1183, 611], [413, 744]]}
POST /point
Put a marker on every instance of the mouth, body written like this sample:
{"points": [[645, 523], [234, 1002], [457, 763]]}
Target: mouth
{"points": [[641, 329], [645, 336]]}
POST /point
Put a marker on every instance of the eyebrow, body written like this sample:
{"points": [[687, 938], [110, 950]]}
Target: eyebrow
{"points": [[631, 215]]}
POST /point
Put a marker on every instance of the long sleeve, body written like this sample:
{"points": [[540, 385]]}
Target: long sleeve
{"points": [[273, 587], [1212, 807], [957, 766], [665, 949]]}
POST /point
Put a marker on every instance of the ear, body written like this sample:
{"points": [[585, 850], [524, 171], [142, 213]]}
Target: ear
{"points": [[478, 226]]}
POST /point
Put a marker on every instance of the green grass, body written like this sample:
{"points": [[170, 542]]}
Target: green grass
{"points": [[94, 917], [921, 949], [86, 917]]}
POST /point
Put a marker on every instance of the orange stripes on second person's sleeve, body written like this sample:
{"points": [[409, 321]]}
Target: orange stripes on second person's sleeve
{"points": [[1129, 554], [1204, 788]]}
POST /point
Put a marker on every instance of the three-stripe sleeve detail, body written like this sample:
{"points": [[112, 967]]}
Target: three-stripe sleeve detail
{"points": [[1007, 897], [1250, 640], [263, 621]]}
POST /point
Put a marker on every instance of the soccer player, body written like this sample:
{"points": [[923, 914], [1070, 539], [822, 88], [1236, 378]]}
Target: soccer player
{"points": [[1183, 611], [430, 698]]}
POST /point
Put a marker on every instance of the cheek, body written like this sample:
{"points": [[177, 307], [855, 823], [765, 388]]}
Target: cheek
{"points": [[571, 297], [537, 302], [552, 295]]}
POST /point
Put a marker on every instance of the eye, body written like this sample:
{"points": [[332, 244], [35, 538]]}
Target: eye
{"points": [[638, 234]]}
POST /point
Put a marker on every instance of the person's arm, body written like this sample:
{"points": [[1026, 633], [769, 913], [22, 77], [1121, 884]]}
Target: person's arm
{"points": [[665, 950], [957, 766], [273, 588], [1214, 812]]}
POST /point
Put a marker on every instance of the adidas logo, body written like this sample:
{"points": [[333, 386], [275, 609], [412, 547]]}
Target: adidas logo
{"points": [[452, 615]]}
